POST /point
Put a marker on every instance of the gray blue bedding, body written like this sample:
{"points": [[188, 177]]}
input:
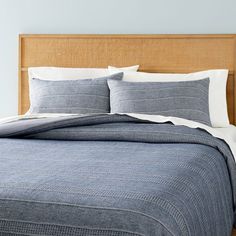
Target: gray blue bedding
{"points": [[113, 175]]}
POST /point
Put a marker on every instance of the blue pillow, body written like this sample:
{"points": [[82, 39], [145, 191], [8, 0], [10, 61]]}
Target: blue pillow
{"points": [[187, 100], [71, 96]]}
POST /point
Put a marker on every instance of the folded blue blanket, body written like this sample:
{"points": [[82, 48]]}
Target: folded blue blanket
{"points": [[113, 175]]}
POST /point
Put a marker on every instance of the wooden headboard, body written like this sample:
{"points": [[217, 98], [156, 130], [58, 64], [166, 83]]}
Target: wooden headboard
{"points": [[154, 53]]}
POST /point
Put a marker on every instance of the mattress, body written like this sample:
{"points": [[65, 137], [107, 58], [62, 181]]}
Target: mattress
{"points": [[113, 175]]}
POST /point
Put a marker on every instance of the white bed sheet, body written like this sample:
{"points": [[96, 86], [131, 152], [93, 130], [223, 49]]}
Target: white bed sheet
{"points": [[229, 131]]}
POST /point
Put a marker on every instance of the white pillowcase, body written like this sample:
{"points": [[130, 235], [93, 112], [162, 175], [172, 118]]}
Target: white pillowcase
{"points": [[114, 70], [217, 89], [60, 73]]}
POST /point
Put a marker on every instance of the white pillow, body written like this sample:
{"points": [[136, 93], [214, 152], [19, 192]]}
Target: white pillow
{"points": [[114, 70], [60, 73], [217, 89]]}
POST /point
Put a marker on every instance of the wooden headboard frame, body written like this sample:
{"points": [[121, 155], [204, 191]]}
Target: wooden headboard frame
{"points": [[154, 53]]}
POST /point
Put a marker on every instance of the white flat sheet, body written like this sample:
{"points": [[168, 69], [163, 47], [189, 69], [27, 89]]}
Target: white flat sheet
{"points": [[229, 131]]}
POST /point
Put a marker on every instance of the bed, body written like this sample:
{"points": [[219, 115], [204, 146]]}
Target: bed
{"points": [[118, 174]]}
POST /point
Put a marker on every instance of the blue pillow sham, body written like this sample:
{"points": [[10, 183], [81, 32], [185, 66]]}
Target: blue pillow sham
{"points": [[188, 99], [84, 96]]}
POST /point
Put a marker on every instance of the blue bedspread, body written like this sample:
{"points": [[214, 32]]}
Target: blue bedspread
{"points": [[113, 175]]}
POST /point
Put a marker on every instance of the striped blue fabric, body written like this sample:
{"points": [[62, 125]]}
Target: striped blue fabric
{"points": [[71, 96], [118, 177], [187, 100]]}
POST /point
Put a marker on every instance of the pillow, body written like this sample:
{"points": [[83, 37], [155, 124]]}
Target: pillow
{"points": [[60, 73], [114, 70], [71, 96], [187, 100], [217, 89]]}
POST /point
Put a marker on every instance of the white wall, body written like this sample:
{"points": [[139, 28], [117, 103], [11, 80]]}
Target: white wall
{"points": [[101, 16]]}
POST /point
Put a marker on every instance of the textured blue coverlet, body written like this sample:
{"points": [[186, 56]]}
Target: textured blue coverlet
{"points": [[113, 175]]}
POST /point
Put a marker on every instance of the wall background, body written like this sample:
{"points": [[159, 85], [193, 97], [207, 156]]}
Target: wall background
{"points": [[105, 17]]}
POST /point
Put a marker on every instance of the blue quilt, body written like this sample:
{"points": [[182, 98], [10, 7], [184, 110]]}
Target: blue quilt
{"points": [[113, 175]]}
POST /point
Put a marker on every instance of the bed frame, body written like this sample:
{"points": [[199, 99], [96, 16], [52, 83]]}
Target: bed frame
{"points": [[154, 53]]}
